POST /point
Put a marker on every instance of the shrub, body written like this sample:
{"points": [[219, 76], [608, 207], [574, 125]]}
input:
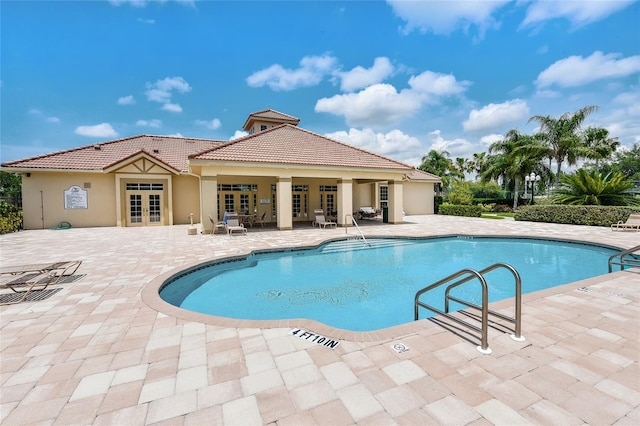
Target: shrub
{"points": [[575, 215], [458, 210], [460, 193], [10, 218]]}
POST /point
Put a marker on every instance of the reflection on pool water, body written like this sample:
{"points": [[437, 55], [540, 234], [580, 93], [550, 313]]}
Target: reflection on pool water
{"points": [[350, 286]]}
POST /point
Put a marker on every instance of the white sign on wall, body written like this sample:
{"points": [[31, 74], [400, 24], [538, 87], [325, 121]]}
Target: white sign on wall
{"points": [[75, 198]]}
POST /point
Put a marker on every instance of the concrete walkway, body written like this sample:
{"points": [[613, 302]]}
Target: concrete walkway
{"points": [[97, 353]]}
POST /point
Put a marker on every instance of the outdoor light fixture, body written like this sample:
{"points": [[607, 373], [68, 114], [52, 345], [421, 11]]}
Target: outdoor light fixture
{"points": [[532, 178]]}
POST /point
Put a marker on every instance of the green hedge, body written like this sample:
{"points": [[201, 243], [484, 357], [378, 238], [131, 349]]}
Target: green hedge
{"points": [[10, 218], [575, 215], [457, 210]]}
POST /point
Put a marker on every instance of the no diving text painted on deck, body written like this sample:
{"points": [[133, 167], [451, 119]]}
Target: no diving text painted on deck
{"points": [[315, 338]]}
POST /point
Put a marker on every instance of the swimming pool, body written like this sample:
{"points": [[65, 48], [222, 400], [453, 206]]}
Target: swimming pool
{"points": [[346, 285]]}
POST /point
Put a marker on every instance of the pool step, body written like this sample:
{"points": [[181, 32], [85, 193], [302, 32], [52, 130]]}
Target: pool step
{"points": [[357, 244]]}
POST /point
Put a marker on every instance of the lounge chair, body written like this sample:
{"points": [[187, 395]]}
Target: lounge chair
{"points": [[320, 221], [233, 225], [215, 225], [34, 277], [632, 224]]}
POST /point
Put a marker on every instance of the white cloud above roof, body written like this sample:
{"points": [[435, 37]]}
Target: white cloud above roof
{"points": [[210, 124], [360, 77], [579, 13], [438, 84], [576, 71], [310, 73], [102, 130], [394, 144], [162, 91], [494, 116], [457, 147], [379, 105], [126, 100], [155, 123], [432, 16]]}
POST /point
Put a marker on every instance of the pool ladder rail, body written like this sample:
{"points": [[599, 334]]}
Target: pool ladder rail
{"points": [[466, 275], [353, 220], [626, 258]]}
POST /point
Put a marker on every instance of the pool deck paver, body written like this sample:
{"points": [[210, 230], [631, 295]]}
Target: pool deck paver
{"points": [[98, 353]]}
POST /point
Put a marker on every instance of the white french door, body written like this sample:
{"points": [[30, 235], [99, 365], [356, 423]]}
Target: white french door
{"points": [[144, 208]]}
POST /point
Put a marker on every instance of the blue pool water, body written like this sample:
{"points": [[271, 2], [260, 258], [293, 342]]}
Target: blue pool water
{"points": [[347, 286]]}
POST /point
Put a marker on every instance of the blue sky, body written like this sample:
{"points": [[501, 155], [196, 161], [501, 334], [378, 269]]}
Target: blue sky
{"points": [[398, 78]]}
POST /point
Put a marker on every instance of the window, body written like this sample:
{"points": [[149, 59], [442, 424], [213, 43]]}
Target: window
{"points": [[244, 203], [144, 186], [384, 196], [229, 205], [328, 188], [237, 187], [330, 205], [263, 127]]}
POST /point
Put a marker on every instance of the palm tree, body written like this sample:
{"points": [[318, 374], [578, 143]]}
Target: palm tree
{"points": [[515, 159], [561, 135], [438, 163], [462, 166], [584, 188], [598, 145], [478, 163]]}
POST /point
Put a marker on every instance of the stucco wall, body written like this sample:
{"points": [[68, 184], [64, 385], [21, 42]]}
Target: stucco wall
{"points": [[186, 199], [418, 197], [43, 200]]}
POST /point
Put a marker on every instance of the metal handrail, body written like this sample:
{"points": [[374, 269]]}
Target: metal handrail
{"points": [[468, 275], [353, 220], [633, 262]]}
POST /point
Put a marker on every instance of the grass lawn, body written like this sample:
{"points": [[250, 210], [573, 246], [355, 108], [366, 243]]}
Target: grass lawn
{"points": [[498, 216]]}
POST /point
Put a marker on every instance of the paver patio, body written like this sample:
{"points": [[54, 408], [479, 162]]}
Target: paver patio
{"points": [[97, 353]]}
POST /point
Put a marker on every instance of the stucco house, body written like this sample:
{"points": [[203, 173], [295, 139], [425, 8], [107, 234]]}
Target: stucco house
{"points": [[279, 171]]}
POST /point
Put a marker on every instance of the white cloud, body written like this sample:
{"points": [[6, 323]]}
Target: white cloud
{"points": [[579, 13], [102, 130], [360, 77], [435, 17], [494, 116], [376, 106], [238, 134], [209, 124], [38, 113], [489, 139], [162, 90], [126, 100], [577, 70], [394, 144], [310, 73], [172, 107], [155, 123], [146, 21], [457, 147], [438, 84]]}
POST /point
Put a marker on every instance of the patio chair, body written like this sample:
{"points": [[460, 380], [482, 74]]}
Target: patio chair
{"points": [[215, 225], [321, 221], [34, 277], [260, 220], [632, 224], [233, 225]]}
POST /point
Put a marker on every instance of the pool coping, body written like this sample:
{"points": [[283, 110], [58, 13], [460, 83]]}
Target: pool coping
{"points": [[150, 293]]}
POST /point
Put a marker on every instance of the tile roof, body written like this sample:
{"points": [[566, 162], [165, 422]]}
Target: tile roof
{"points": [[172, 151], [270, 115], [287, 144], [417, 174]]}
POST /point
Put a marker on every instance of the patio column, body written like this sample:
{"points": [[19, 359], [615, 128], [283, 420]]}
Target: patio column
{"points": [[345, 200], [208, 200], [284, 207], [395, 201]]}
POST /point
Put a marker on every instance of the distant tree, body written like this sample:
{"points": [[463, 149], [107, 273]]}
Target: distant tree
{"points": [[478, 163], [513, 159], [462, 166], [561, 135], [598, 145], [590, 188], [439, 164], [10, 187]]}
